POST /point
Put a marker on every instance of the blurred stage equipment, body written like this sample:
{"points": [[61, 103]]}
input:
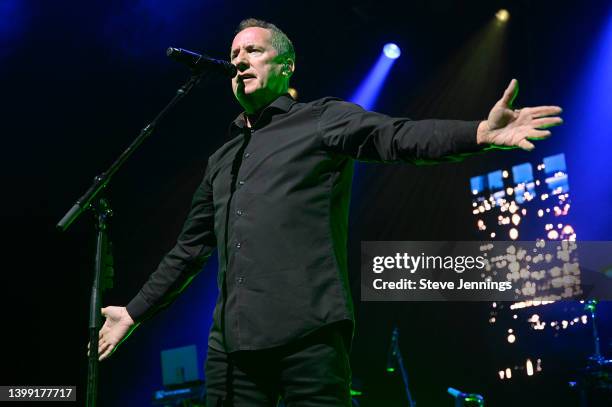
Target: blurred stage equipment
{"points": [[182, 385], [93, 199], [466, 399], [394, 357], [179, 366], [532, 201], [594, 382], [192, 395], [528, 202]]}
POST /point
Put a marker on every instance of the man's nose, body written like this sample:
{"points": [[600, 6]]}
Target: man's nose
{"points": [[241, 61]]}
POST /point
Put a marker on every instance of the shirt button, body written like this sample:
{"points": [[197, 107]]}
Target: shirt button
{"points": [[238, 245], [247, 155], [240, 280], [239, 212]]}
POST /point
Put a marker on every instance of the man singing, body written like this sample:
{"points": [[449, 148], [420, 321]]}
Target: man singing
{"points": [[274, 203]]}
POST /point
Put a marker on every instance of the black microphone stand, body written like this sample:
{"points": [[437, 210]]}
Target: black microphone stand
{"points": [[591, 306], [103, 271], [397, 355], [594, 383]]}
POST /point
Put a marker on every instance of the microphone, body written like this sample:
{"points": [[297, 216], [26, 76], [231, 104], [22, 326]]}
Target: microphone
{"points": [[392, 350], [201, 63]]}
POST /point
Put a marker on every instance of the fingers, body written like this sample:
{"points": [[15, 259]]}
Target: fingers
{"points": [[103, 347], [107, 352], [542, 111], [510, 93], [538, 134], [526, 145], [546, 122], [104, 330], [534, 134]]}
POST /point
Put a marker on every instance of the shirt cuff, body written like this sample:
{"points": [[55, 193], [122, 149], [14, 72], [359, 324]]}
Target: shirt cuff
{"points": [[466, 137], [137, 307]]}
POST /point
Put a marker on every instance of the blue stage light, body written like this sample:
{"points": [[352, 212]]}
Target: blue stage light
{"points": [[12, 21], [392, 51], [369, 89], [586, 135]]}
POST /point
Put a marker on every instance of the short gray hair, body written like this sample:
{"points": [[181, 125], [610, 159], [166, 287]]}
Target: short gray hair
{"points": [[281, 43]]}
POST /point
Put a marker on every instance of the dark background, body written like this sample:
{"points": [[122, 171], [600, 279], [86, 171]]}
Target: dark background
{"points": [[79, 79]]}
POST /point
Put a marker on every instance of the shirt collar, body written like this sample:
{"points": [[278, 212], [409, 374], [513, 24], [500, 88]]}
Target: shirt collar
{"points": [[282, 103]]}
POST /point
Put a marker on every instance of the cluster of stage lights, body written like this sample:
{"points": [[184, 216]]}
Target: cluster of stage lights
{"points": [[503, 202], [564, 232], [529, 369], [536, 324], [547, 269], [512, 202]]}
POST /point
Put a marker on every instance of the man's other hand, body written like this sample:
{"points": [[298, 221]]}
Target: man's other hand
{"points": [[507, 127], [116, 329]]}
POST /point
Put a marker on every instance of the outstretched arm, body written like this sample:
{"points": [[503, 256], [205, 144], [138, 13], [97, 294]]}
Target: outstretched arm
{"points": [[175, 272], [507, 127]]}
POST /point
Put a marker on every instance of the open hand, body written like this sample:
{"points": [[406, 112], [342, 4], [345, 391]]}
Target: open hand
{"points": [[507, 127], [116, 329]]}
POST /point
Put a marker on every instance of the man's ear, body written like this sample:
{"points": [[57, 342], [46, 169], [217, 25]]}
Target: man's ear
{"points": [[288, 67]]}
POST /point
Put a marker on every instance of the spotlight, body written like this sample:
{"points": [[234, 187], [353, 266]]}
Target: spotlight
{"points": [[503, 15], [392, 51]]}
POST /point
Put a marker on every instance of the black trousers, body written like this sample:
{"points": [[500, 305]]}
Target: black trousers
{"points": [[314, 371]]}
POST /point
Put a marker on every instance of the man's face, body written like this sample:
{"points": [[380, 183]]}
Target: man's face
{"points": [[260, 79]]}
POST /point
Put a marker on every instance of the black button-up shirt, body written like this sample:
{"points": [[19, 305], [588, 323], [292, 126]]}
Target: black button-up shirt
{"points": [[274, 202]]}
